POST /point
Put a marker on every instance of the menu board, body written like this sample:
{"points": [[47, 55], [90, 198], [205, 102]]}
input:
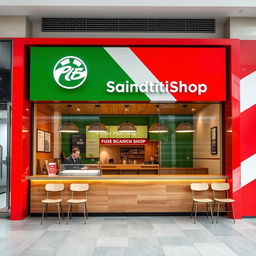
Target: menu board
{"points": [[77, 141], [93, 138]]}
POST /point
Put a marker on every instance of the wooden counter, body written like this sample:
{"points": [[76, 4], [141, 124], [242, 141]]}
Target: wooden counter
{"points": [[131, 169], [126, 193], [147, 169]]}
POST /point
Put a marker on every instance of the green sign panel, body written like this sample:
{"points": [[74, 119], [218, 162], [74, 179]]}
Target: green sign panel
{"points": [[77, 74]]}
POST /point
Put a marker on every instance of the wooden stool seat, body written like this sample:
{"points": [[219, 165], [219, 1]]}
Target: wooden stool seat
{"points": [[77, 201], [203, 200], [224, 200], [51, 201]]}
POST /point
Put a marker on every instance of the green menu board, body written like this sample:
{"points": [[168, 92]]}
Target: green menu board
{"points": [[93, 138]]}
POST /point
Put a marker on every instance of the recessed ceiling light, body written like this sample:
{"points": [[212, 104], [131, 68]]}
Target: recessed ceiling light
{"points": [[126, 108], [78, 109], [193, 109]]}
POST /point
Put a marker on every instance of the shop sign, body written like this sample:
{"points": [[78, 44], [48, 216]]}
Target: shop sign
{"points": [[93, 139], [156, 74], [124, 141]]}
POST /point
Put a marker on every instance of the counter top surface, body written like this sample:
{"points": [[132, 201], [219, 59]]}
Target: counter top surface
{"points": [[129, 177]]}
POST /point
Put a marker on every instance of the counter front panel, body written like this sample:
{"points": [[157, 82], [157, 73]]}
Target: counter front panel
{"points": [[134, 194]]}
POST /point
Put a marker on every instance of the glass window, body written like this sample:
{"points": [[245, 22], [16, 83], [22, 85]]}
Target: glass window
{"points": [[157, 139]]}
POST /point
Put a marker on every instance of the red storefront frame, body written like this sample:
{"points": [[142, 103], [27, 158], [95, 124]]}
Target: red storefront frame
{"points": [[21, 108]]}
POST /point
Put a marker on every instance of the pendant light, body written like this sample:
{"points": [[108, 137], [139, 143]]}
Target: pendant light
{"points": [[126, 126], [97, 126], [158, 127], [185, 127], [68, 127]]}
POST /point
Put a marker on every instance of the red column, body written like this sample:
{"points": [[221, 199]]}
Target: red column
{"points": [[232, 120], [20, 148]]}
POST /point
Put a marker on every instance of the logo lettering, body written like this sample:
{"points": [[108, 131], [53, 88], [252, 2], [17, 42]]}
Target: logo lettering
{"points": [[70, 72]]}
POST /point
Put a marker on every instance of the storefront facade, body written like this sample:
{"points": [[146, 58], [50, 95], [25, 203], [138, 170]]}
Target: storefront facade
{"points": [[121, 78]]}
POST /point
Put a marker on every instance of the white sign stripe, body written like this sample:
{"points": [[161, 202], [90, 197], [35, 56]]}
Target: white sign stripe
{"points": [[248, 170], [248, 91], [247, 100], [138, 72]]}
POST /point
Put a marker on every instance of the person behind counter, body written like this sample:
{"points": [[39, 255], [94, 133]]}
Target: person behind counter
{"points": [[74, 158], [74, 162], [152, 161]]}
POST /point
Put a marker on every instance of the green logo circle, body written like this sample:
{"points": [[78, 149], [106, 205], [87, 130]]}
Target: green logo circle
{"points": [[70, 72]]}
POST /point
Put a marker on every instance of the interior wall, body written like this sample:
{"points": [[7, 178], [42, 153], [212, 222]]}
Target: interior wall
{"points": [[43, 121], [107, 152], [204, 120], [57, 135]]}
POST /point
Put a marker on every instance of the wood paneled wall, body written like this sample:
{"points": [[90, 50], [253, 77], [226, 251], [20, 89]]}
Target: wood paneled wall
{"points": [[151, 149], [125, 196], [44, 121]]}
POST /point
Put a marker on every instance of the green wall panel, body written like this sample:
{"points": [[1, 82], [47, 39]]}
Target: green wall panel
{"points": [[176, 149]]}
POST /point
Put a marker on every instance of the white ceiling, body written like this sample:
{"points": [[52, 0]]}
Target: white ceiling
{"points": [[130, 9]]}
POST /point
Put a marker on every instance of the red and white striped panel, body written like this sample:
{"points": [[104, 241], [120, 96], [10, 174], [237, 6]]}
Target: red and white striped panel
{"points": [[248, 127]]}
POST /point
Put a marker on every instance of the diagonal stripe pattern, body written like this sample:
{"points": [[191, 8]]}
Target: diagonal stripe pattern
{"points": [[137, 71], [247, 101]]}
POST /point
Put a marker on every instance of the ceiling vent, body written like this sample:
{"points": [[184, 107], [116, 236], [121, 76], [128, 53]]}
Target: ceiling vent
{"points": [[128, 25]]}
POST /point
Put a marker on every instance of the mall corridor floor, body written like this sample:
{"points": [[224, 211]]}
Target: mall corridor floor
{"points": [[128, 236]]}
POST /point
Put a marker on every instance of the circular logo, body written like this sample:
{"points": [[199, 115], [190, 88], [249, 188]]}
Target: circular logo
{"points": [[70, 72]]}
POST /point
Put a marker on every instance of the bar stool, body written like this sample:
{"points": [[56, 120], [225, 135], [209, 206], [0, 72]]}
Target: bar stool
{"points": [[200, 189], [222, 187], [78, 188], [47, 201]]}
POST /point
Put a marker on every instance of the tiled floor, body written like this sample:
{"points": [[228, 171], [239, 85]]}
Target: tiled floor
{"points": [[128, 236]]}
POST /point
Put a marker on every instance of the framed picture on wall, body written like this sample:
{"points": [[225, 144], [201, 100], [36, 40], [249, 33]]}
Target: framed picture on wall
{"points": [[40, 141], [214, 146], [77, 141], [47, 142]]}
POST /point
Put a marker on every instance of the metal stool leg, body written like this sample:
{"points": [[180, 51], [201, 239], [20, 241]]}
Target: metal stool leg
{"points": [[192, 210], [218, 212], [233, 212], [213, 207], [211, 211], [86, 210], [42, 219], [84, 214], [68, 212], [59, 212], [71, 211], [207, 210], [46, 211], [61, 209], [195, 213]]}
